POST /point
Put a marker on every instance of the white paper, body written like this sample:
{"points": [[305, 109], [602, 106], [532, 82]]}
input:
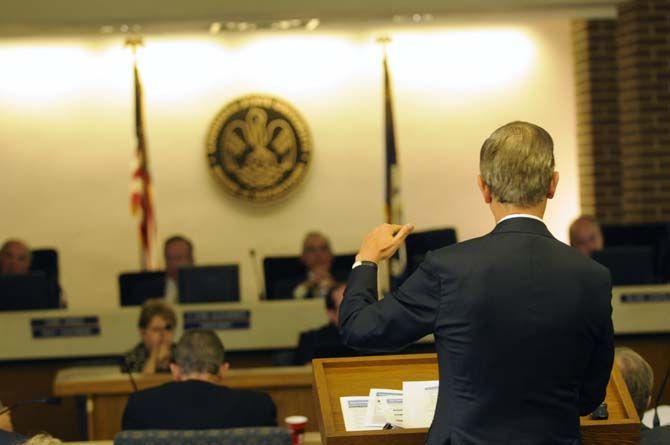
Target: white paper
{"points": [[377, 413], [393, 410], [419, 402], [354, 410]]}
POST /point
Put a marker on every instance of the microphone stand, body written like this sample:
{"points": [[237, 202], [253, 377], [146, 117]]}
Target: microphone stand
{"points": [[657, 420], [125, 369], [46, 401]]}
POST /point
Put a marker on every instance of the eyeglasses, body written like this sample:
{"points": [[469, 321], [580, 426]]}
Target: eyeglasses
{"points": [[161, 329]]}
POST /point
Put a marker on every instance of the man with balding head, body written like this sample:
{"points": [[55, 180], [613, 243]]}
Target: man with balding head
{"points": [[522, 322], [197, 398], [639, 378], [586, 235], [14, 258]]}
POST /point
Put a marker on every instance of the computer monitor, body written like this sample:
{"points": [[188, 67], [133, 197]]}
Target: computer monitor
{"points": [[209, 284], [628, 265], [279, 272], [418, 244], [28, 292], [137, 287], [654, 235]]}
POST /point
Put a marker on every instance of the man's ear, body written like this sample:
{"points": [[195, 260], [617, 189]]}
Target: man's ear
{"points": [[176, 371], [486, 192], [552, 185], [223, 369]]}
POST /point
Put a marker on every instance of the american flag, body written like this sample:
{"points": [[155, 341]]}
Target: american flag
{"points": [[141, 202], [392, 201]]}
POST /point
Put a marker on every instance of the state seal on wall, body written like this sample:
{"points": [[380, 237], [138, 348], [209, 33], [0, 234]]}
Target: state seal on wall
{"points": [[259, 148]]}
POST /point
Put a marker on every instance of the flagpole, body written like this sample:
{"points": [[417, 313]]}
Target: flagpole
{"points": [[395, 267], [141, 194]]}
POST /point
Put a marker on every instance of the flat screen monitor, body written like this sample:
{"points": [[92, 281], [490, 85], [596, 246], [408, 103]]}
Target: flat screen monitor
{"points": [[628, 265], [28, 292], [137, 287], [418, 244], [209, 284]]}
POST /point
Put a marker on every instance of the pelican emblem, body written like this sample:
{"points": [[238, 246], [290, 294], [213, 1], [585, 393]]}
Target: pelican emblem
{"points": [[259, 147]]}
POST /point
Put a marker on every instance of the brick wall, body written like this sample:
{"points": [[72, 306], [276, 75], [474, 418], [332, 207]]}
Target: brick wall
{"points": [[644, 100], [594, 50], [623, 94]]}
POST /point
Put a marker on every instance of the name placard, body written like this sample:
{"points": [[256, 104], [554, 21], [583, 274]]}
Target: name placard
{"points": [[57, 327], [217, 320], [649, 297]]}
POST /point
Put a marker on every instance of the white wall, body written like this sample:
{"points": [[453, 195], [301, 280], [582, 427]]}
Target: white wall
{"points": [[66, 139]]}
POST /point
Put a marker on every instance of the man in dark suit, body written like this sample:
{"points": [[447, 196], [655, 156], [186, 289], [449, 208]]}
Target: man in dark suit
{"points": [[324, 341], [196, 399], [7, 436], [639, 378], [522, 322]]}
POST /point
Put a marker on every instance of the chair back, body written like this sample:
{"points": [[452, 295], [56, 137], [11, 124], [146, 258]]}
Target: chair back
{"points": [[230, 436]]}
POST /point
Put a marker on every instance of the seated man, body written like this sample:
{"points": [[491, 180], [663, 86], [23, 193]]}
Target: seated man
{"points": [[586, 236], [325, 341], [177, 253], [639, 379], [317, 257], [156, 349], [197, 399], [15, 259], [7, 436]]}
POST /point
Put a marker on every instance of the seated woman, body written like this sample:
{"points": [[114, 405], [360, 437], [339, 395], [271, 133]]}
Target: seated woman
{"points": [[154, 353]]}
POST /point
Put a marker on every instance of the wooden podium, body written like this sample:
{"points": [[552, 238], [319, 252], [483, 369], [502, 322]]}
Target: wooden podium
{"points": [[335, 378]]}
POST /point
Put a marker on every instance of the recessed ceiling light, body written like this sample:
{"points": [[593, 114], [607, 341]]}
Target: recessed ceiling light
{"points": [[215, 28], [312, 24]]}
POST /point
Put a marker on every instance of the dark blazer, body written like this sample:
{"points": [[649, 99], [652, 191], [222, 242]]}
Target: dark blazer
{"points": [[522, 327], [196, 405], [657, 436], [7, 438], [320, 343]]}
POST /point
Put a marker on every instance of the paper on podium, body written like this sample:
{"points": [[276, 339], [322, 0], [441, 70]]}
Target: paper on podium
{"points": [[393, 411], [419, 402], [380, 412], [354, 410]]}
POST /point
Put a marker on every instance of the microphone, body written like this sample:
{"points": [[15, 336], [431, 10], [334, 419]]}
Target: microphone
{"points": [[43, 401], [257, 274], [125, 369], [657, 420]]}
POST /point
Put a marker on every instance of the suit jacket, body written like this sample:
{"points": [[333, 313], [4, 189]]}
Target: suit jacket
{"points": [[320, 343], [7, 438], [522, 327], [195, 405], [656, 436]]}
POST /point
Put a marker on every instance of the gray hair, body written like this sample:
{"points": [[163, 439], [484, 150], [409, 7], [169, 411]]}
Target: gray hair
{"points": [[517, 163], [42, 439], [638, 375], [199, 351]]}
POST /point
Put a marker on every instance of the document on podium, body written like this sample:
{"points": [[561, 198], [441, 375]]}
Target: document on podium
{"points": [[393, 411], [419, 402], [354, 411], [380, 412]]}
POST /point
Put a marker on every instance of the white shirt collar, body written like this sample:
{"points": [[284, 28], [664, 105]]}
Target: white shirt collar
{"points": [[521, 215]]}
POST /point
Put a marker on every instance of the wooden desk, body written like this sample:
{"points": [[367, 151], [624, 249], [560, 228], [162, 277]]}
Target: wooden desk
{"points": [[338, 377], [106, 391], [310, 439]]}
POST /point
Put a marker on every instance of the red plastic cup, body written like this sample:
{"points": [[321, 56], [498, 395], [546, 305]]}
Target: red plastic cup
{"points": [[296, 426]]}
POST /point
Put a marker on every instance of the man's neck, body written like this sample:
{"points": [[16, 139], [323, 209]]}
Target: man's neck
{"points": [[202, 377], [501, 211]]}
